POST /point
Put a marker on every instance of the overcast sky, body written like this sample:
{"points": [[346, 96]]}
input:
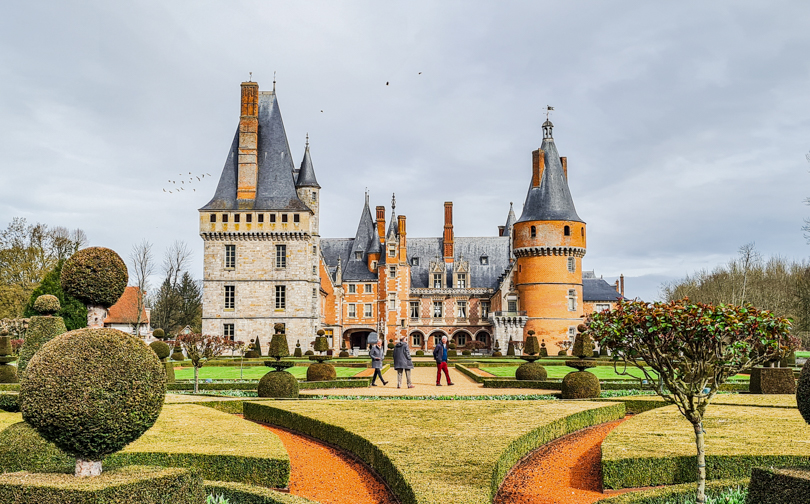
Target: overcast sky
{"points": [[685, 124]]}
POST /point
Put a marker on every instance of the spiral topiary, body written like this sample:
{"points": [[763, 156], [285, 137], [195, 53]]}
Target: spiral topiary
{"points": [[278, 384], [803, 392], [580, 385], [531, 371], [161, 349], [97, 277], [47, 304], [91, 392]]}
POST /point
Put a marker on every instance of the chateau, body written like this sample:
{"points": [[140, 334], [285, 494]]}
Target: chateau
{"points": [[265, 261]]}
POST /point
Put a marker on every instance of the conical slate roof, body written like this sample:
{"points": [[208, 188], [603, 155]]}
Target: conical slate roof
{"points": [[551, 201], [510, 221], [275, 188], [306, 173], [365, 241]]}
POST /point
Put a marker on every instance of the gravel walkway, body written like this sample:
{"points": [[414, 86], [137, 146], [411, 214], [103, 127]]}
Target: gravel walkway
{"points": [[326, 475], [565, 471], [424, 379]]}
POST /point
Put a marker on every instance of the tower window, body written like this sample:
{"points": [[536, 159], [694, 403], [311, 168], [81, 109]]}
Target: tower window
{"points": [[572, 264], [281, 256], [236, 217], [249, 217], [534, 232], [230, 256], [392, 252], [461, 283], [314, 293], [582, 231], [572, 299], [567, 231], [314, 195], [392, 271], [261, 218], [230, 297], [281, 297], [213, 217], [283, 217], [224, 217], [392, 301], [272, 217], [296, 218]]}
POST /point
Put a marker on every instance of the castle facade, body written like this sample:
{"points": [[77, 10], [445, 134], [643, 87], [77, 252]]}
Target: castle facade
{"points": [[265, 262]]}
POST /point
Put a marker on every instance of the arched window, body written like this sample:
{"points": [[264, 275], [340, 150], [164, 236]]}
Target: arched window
{"points": [[534, 232], [461, 339], [582, 231], [567, 231]]}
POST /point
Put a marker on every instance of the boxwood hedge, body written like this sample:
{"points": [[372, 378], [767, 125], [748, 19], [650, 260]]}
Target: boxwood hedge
{"points": [[248, 494], [659, 495], [144, 485]]}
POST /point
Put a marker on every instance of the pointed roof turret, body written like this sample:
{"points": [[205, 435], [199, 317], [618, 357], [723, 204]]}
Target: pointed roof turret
{"points": [[306, 173], [510, 221], [366, 236], [550, 199], [393, 230], [274, 183]]}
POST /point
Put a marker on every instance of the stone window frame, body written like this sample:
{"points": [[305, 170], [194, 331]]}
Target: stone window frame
{"points": [[461, 309], [230, 256], [414, 261], [229, 331], [392, 271], [572, 300], [284, 218], [572, 264], [248, 218], [599, 307], [272, 218], [314, 293], [485, 305], [237, 218], [392, 251], [392, 301], [296, 218], [438, 309], [351, 312], [281, 297], [368, 310], [417, 339], [229, 299], [439, 277], [281, 256], [414, 309], [224, 218], [260, 218], [461, 280], [352, 288], [368, 288], [212, 218]]}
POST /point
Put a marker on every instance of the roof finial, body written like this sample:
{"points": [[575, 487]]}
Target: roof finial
{"points": [[274, 81], [549, 108], [250, 79], [393, 201], [547, 126], [307, 140], [366, 196]]}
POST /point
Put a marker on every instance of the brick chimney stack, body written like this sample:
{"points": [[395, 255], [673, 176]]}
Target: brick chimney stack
{"points": [[403, 244], [538, 166], [621, 284], [448, 232], [248, 140], [564, 163], [381, 223]]}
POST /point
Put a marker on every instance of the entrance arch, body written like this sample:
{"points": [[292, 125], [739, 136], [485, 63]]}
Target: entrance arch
{"points": [[356, 338]]}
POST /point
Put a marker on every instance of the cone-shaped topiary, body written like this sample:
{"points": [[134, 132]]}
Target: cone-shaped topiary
{"points": [[531, 371], [161, 349], [531, 347], [278, 346], [47, 304], [321, 371], [41, 329], [543, 349], [91, 392], [580, 385], [321, 344], [257, 347], [159, 333], [298, 352], [278, 384], [803, 392], [510, 349], [97, 277]]}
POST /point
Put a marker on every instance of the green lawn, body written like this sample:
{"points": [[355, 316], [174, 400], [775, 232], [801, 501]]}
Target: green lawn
{"points": [[601, 372], [251, 373], [436, 451], [803, 355]]}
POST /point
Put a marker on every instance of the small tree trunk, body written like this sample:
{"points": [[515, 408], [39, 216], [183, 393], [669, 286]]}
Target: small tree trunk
{"points": [[196, 387], [701, 462], [95, 316], [85, 468]]}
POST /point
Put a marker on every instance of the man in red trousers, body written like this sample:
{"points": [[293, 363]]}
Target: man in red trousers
{"points": [[440, 355]]}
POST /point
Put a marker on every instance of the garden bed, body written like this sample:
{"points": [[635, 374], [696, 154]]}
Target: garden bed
{"points": [[439, 451], [658, 447]]}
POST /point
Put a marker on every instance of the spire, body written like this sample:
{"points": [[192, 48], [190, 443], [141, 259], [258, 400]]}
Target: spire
{"points": [[510, 221], [549, 198], [365, 240], [306, 174], [392, 227]]}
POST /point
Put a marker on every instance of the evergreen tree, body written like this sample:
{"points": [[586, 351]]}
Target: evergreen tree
{"points": [[73, 311]]}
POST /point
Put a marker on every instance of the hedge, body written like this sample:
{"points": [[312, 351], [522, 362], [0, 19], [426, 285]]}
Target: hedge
{"points": [[658, 495], [333, 384], [144, 485], [606, 385], [658, 447], [10, 401], [784, 485], [460, 461], [248, 494]]}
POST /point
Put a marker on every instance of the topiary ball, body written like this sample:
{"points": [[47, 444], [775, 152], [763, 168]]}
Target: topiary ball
{"points": [[47, 304], [161, 349], [278, 384], [343, 353], [178, 356], [420, 353], [466, 352], [580, 385], [531, 371], [321, 372], [93, 391], [159, 333], [497, 354], [309, 352], [96, 276], [803, 392]]}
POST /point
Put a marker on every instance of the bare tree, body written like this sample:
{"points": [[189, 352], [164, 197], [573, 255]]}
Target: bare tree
{"points": [[175, 260], [142, 268]]}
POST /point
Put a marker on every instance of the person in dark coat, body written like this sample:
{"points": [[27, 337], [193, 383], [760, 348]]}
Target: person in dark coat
{"points": [[377, 353], [440, 355], [402, 361]]}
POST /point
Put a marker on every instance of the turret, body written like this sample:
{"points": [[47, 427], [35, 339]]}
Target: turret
{"points": [[549, 243], [308, 189]]}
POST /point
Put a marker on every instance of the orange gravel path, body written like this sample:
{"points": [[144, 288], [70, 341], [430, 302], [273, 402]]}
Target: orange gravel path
{"points": [[326, 475], [565, 471]]}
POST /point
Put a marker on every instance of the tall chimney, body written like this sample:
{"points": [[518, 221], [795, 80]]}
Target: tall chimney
{"points": [[564, 162], [381, 223], [538, 166], [403, 244], [248, 139], [448, 232], [621, 283]]}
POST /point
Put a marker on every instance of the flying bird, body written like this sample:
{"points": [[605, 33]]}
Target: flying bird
{"points": [[420, 73], [208, 174], [321, 111], [164, 190], [198, 178], [386, 83]]}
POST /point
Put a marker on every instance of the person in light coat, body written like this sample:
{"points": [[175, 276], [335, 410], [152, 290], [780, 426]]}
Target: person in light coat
{"points": [[402, 361], [377, 353]]}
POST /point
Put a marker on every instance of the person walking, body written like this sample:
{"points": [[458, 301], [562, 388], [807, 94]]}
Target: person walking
{"points": [[402, 361], [376, 353], [440, 355]]}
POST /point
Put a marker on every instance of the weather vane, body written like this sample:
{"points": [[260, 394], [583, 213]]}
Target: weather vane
{"points": [[549, 108], [250, 79], [393, 201]]}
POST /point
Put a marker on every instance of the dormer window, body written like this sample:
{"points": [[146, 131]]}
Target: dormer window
{"points": [[358, 255], [484, 260], [437, 280], [392, 252], [461, 281], [414, 261]]}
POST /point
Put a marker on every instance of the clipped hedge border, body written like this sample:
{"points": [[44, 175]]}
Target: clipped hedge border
{"points": [[9, 387], [536, 438], [332, 384], [212, 386], [248, 494], [779, 485], [465, 370], [362, 382], [606, 385], [657, 495], [10, 402], [379, 461], [673, 470], [635, 406], [144, 485]]}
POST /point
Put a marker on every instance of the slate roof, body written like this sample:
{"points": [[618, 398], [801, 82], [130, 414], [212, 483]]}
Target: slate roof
{"points": [[495, 248], [597, 289], [306, 173], [551, 201], [275, 188]]}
